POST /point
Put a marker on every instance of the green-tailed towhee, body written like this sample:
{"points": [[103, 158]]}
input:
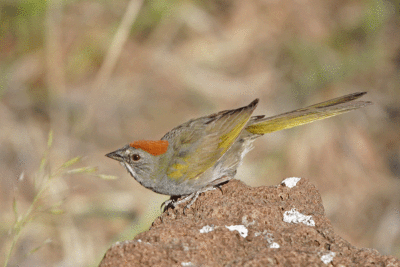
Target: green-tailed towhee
{"points": [[205, 152]]}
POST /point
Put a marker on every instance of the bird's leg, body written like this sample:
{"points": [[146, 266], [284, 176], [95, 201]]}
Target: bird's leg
{"points": [[192, 197]]}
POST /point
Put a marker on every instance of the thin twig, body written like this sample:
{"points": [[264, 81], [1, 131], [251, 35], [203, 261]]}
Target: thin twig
{"points": [[110, 61], [117, 44]]}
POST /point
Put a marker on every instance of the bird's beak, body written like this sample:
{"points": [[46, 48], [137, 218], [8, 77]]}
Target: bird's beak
{"points": [[117, 155]]}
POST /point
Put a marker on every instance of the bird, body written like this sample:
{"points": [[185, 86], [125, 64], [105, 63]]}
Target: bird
{"points": [[204, 153]]}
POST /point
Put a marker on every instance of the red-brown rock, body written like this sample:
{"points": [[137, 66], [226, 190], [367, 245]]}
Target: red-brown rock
{"points": [[268, 226]]}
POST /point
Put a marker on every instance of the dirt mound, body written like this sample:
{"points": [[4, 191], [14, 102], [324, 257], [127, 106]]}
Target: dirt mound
{"points": [[282, 225]]}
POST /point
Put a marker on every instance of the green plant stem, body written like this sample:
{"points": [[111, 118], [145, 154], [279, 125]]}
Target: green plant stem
{"points": [[19, 224]]}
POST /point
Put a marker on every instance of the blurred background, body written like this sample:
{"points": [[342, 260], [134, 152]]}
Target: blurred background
{"points": [[100, 74]]}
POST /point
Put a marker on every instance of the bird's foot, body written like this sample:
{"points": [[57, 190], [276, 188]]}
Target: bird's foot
{"points": [[173, 202]]}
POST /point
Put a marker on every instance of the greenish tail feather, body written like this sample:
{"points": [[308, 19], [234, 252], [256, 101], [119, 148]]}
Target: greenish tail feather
{"points": [[335, 101], [306, 115]]}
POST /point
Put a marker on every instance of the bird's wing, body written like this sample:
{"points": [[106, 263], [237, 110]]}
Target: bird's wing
{"points": [[198, 144]]}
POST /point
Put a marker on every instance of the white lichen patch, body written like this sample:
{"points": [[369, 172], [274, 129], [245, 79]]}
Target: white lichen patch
{"points": [[327, 258], [258, 233], [121, 243], [240, 228], [293, 216], [140, 241], [246, 222], [206, 229], [291, 182], [270, 239], [187, 264], [274, 245]]}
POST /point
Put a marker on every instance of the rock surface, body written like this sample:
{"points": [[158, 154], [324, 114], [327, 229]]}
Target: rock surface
{"points": [[244, 226]]}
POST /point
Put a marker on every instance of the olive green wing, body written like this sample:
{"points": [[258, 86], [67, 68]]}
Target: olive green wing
{"points": [[198, 144], [305, 115]]}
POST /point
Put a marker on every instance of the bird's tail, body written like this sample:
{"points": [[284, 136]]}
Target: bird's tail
{"points": [[330, 108]]}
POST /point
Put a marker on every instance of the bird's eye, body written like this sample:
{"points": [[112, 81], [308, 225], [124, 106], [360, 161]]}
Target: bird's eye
{"points": [[135, 157]]}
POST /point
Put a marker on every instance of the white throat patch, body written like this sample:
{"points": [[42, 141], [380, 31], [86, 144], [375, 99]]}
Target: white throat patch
{"points": [[129, 169]]}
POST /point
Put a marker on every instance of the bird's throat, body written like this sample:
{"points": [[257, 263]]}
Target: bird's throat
{"points": [[129, 169]]}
